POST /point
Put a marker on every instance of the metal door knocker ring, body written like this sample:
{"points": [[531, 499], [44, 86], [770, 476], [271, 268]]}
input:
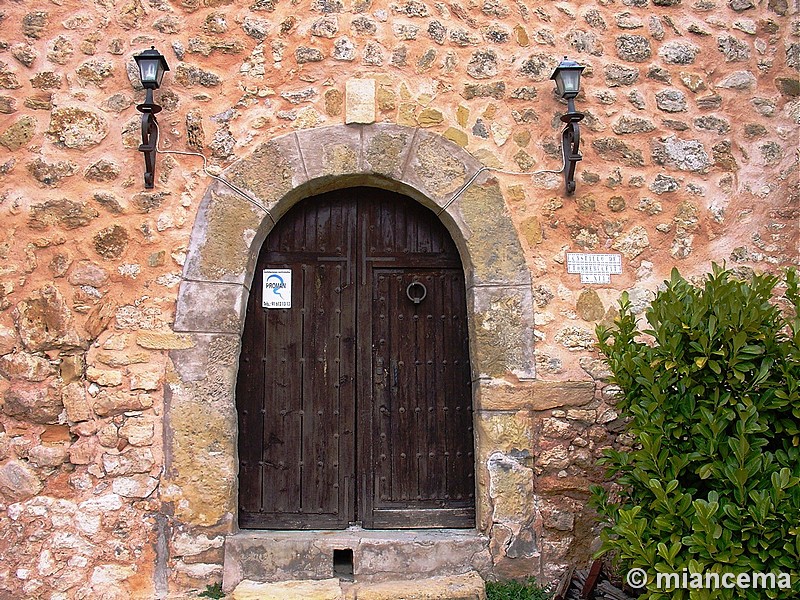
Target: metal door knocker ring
{"points": [[416, 292]]}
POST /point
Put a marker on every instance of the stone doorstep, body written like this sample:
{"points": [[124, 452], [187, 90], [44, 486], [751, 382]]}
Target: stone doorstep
{"points": [[378, 555], [468, 586]]}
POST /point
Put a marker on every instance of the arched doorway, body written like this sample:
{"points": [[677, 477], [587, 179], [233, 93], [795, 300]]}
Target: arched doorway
{"points": [[355, 403]]}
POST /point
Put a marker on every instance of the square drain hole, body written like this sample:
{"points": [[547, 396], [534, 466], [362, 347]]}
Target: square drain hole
{"points": [[343, 564]]}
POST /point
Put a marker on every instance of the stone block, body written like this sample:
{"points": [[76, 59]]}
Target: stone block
{"points": [[506, 432], [109, 403], [163, 340], [135, 486], [418, 555], [275, 557], [8, 340], [32, 402], [469, 586], [184, 544], [231, 229], [24, 366], [438, 167], [330, 151], [202, 484], [138, 431], [511, 490], [494, 247], [44, 321], [48, 455], [76, 402], [360, 101], [104, 377], [208, 351], [210, 307], [501, 395], [556, 394], [271, 171], [378, 556], [503, 331], [18, 482], [328, 589], [385, 149], [145, 378], [133, 460]]}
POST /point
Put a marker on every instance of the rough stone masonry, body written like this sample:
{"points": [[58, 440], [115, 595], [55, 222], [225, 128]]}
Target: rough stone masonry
{"points": [[117, 422]]}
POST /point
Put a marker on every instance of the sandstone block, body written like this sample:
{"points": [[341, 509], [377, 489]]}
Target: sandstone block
{"points": [[63, 213], [191, 75], [101, 504], [104, 377], [133, 460], [511, 490], [49, 455], [147, 380], [110, 576], [138, 431], [589, 307], [360, 95], [185, 544], [633, 243], [325, 589], [135, 486], [83, 451], [686, 155], [504, 330], [469, 586], [33, 402], [76, 402], [508, 433], [18, 482], [24, 366], [71, 367], [8, 340], [385, 149], [163, 340], [211, 307], [633, 48], [77, 128], [44, 321], [18, 134], [109, 403]]}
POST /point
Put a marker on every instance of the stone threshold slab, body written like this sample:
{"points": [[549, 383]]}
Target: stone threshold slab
{"points": [[377, 555]]}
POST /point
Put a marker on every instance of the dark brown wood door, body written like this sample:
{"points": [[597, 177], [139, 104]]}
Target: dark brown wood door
{"points": [[355, 404]]}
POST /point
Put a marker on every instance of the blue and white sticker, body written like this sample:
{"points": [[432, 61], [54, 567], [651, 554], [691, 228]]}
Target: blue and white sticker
{"points": [[276, 290]]}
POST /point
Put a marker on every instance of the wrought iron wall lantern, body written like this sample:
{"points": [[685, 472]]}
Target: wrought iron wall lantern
{"points": [[568, 83], [152, 66]]}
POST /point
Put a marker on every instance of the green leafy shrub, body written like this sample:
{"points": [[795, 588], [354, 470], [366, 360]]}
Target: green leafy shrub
{"points": [[713, 481], [213, 591], [516, 590]]}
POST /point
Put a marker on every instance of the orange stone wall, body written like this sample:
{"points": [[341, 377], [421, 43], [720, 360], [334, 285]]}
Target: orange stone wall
{"points": [[690, 155]]}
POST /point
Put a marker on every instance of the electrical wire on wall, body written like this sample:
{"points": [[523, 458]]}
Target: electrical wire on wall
{"points": [[222, 180], [477, 173]]}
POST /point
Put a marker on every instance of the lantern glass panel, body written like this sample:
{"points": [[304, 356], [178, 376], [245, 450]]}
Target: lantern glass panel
{"points": [[570, 81], [149, 70]]}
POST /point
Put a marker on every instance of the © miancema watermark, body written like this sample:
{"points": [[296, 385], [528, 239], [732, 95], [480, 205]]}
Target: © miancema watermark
{"points": [[688, 580]]}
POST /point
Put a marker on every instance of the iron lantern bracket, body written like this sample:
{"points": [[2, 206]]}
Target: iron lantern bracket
{"points": [[570, 147], [149, 137]]}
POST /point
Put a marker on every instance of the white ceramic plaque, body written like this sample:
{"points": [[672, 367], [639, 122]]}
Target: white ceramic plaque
{"points": [[276, 288], [594, 268]]}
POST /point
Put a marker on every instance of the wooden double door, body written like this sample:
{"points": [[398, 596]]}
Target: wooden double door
{"points": [[355, 404]]}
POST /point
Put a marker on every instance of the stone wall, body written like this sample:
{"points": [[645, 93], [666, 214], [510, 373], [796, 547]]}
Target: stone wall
{"points": [[690, 156]]}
